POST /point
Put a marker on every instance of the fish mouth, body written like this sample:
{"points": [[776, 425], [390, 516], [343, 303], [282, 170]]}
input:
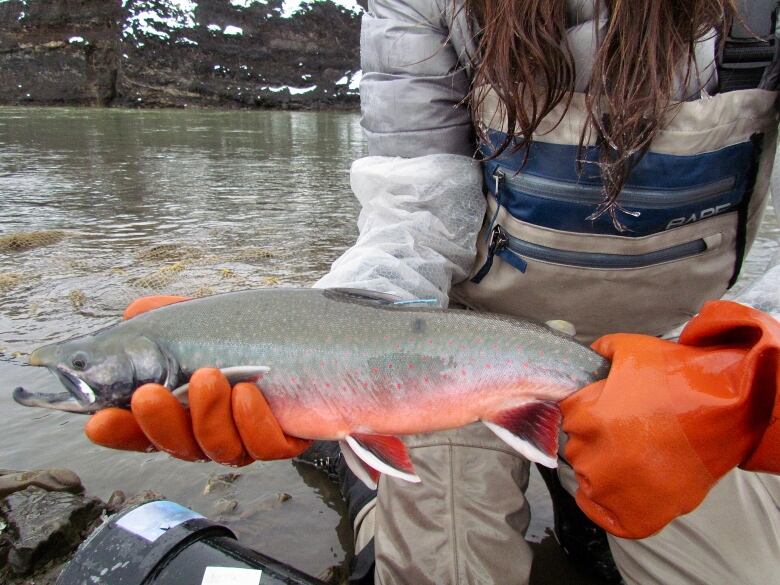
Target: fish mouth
{"points": [[80, 397]]}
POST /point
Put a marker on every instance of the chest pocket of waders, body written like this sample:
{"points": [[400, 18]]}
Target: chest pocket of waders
{"points": [[691, 207]]}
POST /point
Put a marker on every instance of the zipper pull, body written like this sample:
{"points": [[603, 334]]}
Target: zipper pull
{"points": [[498, 177], [498, 241]]}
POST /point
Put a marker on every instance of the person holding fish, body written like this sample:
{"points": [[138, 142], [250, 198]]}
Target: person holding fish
{"points": [[608, 163]]}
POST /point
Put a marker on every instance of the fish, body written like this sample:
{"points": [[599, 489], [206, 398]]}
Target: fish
{"points": [[340, 364]]}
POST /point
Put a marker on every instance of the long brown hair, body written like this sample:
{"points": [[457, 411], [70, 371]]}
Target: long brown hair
{"points": [[644, 44]]}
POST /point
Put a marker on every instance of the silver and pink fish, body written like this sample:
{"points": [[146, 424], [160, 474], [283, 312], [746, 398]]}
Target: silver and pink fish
{"points": [[341, 365]]}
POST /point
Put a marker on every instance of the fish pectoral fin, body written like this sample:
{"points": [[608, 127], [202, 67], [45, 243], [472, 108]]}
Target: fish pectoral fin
{"points": [[238, 374], [385, 454], [531, 429], [364, 472], [234, 375]]}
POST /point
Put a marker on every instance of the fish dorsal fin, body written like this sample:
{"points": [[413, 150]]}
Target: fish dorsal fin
{"points": [[356, 294], [531, 429], [385, 454], [377, 298], [364, 472]]}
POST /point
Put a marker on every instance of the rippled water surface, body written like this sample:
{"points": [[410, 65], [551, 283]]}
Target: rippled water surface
{"points": [[221, 191], [152, 202]]}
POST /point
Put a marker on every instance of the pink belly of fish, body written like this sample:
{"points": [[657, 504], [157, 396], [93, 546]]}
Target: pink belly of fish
{"points": [[416, 408]]}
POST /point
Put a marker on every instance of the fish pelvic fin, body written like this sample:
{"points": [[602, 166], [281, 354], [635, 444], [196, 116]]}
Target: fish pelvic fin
{"points": [[385, 454], [531, 429], [364, 472]]}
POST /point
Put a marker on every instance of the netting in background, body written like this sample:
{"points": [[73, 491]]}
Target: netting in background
{"points": [[49, 282]]}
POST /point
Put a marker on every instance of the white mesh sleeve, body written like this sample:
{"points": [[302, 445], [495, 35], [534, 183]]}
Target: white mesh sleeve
{"points": [[418, 225]]}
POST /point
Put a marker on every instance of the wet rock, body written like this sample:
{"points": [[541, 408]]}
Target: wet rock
{"points": [[220, 482], [116, 501], [283, 497], [141, 498], [43, 525], [62, 480], [223, 506]]}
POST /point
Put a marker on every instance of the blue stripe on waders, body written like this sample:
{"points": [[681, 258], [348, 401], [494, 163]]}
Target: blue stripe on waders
{"points": [[662, 192]]}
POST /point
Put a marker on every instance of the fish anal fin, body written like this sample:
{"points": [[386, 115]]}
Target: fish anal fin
{"points": [[531, 429], [384, 453], [364, 472]]}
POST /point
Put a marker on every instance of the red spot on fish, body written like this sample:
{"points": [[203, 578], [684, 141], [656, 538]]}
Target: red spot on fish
{"points": [[463, 373], [509, 362], [411, 366], [488, 366], [327, 385], [398, 385], [389, 366], [425, 379], [293, 380], [374, 370]]}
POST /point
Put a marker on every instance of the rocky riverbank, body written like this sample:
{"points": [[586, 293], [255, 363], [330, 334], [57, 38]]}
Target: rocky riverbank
{"points": [[45, 515], [180, 53]]}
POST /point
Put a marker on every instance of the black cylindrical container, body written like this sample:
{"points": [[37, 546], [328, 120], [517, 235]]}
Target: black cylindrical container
{"points": [[164, 543]]}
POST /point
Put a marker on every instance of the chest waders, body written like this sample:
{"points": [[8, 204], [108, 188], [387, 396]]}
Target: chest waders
{"points": [[692, 206]]}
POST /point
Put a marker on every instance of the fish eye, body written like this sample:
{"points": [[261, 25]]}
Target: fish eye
{"points": [[79, 361]]}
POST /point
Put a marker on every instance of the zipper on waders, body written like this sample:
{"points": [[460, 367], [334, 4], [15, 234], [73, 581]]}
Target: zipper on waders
{"points": [[643, 197], [498, 177], [499, 240], [513, 250]]}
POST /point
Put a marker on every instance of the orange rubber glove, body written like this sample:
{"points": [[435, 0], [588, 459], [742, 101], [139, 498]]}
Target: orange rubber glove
{"points": [[649, 441], [233, 426]]}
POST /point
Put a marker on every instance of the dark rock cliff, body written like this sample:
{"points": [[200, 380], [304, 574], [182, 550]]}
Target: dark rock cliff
{"points": [[179, 53]]}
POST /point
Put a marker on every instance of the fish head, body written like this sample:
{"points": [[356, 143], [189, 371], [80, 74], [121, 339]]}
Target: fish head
{"points": [[99, 371]]}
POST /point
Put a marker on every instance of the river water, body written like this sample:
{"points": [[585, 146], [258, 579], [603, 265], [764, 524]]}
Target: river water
{"points": [[184, 202]]}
